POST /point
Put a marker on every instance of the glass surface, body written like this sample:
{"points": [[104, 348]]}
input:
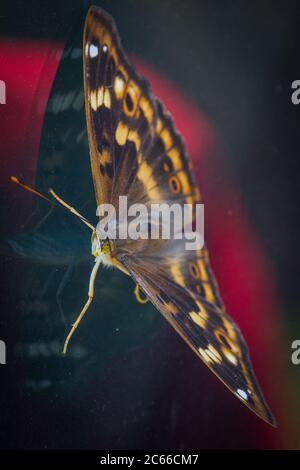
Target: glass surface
{"points": [[128, 381]]}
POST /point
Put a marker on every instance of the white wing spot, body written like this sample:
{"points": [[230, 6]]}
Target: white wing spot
{"points": [[104, 48], [242, 394], [93, 51], [231, 358]]}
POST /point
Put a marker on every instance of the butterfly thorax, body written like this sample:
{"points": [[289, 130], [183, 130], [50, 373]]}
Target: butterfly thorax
{"points": [[105, 249], [102, 249], [99, 246]]}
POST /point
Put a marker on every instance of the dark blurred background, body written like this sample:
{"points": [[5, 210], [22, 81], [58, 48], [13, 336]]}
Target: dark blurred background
{"points": [[236, 62]]}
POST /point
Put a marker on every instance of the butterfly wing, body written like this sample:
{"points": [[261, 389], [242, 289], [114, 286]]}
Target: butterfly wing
{"points": [[134, 147], [120, 109], [180, 283], [136, 151], [207, 329]]}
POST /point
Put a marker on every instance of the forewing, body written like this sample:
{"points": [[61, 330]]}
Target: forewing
{"points": [[121, 112]]}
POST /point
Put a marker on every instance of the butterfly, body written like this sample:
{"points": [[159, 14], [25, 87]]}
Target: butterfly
{"points": [[136, 151]]}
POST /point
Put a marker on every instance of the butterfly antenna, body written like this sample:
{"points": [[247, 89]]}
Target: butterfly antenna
{"points": [[16, 180], [60, 201], [87, 304], [71, 209]]}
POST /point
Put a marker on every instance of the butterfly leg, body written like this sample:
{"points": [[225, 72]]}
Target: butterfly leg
{"points": [[87, 304], [139, 298]]}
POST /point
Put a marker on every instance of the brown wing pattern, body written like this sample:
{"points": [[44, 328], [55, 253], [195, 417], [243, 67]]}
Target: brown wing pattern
{"points": [[136, 151], [208, 330], [121, 112]]}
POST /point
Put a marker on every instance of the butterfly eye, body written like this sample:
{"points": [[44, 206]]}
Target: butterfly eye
{"points": [[106, 247], [174, 185]]}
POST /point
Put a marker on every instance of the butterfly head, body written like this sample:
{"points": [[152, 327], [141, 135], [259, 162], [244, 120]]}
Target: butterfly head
{"points": [[105, 246], [100, 247]]}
